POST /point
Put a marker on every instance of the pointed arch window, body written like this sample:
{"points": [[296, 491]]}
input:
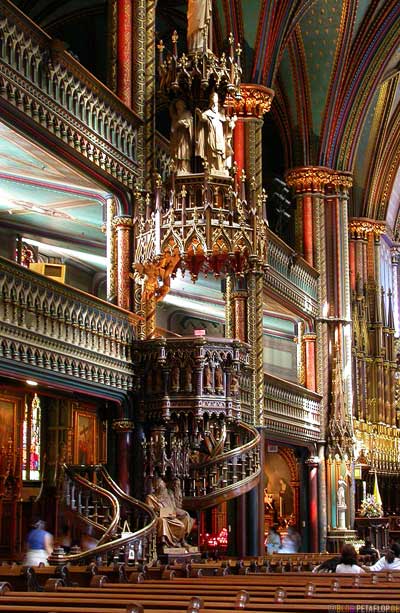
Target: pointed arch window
{"points": [[31, 439]]}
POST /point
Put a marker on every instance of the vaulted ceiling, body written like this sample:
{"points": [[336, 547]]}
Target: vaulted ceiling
{"points": [[334, 66]]}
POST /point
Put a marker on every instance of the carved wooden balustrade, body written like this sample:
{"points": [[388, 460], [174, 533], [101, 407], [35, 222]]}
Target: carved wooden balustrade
{"points": [[292, 410], [197, 375], [92, 498], [290, 275], [51, 87], [231, 473], [55, 328]]}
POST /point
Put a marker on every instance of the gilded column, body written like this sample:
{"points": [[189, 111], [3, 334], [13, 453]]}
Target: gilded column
{"points": [[309, 184], [139, 77], [227, 293], [124, 51], [123, 226], [254, 103], [240, 315], [124, 429], [150, 90], [256, 100], [342, 182]]}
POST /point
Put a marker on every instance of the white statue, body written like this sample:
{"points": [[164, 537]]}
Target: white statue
{"points": [[214, 137], [199, 25], [341, 493], [181, 136]]}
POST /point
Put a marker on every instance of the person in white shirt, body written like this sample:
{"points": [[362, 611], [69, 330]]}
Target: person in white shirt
{"points": [[391, 561], [348, 561]]}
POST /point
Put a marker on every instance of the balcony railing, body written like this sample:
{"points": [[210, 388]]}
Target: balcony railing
{"points": [[291, 410], [51, 87], [289, 275], [56, 328]]}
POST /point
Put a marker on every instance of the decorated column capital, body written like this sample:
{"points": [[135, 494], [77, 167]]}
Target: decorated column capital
{"points": [[361, 227], [316, 178], [122, 221], [308, 178], [341, 180], [123, 425], [255, 101]]}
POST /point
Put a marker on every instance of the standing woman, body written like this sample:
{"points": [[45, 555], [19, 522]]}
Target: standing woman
{"points": [[39, 545]]}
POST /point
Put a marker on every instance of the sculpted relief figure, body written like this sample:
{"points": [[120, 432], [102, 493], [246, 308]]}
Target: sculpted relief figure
{"points": [[181, 136], [174, 524], [199, 25], [214, 137]]}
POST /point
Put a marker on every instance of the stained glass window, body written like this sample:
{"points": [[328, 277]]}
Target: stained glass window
{"points": [[31, 440]]}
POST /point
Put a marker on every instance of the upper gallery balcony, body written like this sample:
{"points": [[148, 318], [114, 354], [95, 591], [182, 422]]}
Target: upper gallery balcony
{"points": [[54, 331], [47, 85]]}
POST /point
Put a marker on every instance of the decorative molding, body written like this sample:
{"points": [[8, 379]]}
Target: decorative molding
{"points": [[123, 425], [360, 227], [255, 101], [317, 178]]}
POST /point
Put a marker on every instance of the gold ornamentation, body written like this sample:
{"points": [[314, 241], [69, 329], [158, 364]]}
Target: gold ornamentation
{"points": [[362, 226], [123, 425], [309, 179], [255, 101]]}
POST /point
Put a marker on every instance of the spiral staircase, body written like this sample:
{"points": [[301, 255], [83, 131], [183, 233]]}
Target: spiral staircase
{"points": [[122, 525]]}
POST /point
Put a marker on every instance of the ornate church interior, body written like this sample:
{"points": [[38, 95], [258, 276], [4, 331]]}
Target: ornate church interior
{"points": [[200, 276]]}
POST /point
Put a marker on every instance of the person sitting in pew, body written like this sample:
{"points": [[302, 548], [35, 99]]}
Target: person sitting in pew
{"points": [[349, 561], [391, 561], [368, 550], [327, 566]]}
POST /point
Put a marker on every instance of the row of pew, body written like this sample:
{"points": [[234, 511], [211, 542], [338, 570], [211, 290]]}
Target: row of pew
{"points": [[114, 590]]}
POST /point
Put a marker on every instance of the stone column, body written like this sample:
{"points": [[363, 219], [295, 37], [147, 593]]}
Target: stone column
{"points": [[123, 227], [124, 430], [309, 340]]}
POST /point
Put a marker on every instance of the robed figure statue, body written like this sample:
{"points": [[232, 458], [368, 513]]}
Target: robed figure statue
{"points": [[199, 25], [173, 524]]}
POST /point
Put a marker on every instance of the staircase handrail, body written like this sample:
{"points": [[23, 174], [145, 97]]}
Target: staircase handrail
{"points": [[97, 488], [125, 496], [233, 452], [103, 547]]}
